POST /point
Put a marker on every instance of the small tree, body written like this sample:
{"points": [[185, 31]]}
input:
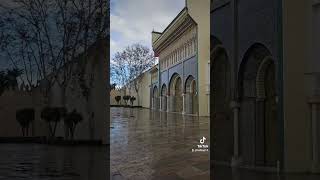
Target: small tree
{"points": [[132, 99], [71, 120], [117, 98], [52, 115], [25, 117], [126, 99]]}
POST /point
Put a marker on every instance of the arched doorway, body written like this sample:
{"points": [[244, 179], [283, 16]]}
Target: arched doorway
{"points": [[163, 98], [267, 96], [259, 125], [175, 100], [191, 98], [155, 98], [222, 117]]}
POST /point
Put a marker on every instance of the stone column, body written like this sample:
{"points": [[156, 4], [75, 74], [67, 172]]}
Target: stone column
{"points": [[314, 103], [188, 103], [171, 103], [183, 103], [260, 131], [163, 103], [168, 103], [235, 108]]}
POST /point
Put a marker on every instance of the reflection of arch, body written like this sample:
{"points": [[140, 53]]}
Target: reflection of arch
{"points": [[175, 91], [259, 128], [220, 90]]}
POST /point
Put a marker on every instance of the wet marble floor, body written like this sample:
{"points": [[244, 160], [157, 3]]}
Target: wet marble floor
{"points": [[148, 144]]}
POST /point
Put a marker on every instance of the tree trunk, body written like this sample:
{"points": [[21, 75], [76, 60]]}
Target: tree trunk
{"points": [[55, 127], [138, 99]]}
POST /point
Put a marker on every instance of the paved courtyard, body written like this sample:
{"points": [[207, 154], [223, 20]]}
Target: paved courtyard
{"points": [[147, 145]]}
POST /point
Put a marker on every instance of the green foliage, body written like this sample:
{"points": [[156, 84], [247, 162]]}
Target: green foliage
{"points": [[53, 115], [25, 117], [132, 99], [126, 98], [117, 98]]}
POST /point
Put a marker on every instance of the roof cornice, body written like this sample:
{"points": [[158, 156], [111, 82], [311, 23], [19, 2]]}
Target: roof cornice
{"points": [[177, 21]]}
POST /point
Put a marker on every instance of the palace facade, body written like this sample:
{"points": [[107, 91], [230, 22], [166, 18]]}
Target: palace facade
{"points": [[180, 83], [265, 84]]}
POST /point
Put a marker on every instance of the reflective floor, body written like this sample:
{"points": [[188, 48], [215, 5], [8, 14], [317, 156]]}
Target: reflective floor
{"points": [[43, 162], [227, 173], [147, 145]]}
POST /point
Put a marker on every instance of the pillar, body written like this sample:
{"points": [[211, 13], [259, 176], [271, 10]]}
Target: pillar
{"points": [[314, 103], [183, 103], [171, 103], [163, 103], [235, 108], [188, 103]]}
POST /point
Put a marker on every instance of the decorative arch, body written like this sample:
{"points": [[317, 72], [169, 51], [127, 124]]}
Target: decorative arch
{"points": [[155, 92], [172, 83], [190, 85], [248, 68], [175, 92], [258, 123], [261, 74], [220, 99], [164, 90]]}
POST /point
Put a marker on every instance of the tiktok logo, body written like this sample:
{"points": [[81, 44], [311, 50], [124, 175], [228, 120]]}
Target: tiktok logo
{"points": [[202, 140]]}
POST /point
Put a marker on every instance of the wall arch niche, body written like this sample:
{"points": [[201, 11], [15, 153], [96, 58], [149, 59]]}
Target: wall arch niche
{"points": [[176, 104], [222, 117], [259, 126]]}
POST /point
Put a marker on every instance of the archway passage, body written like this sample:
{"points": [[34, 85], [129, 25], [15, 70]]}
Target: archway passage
{"points": [[176, 102], [222, 118], [259, 127], [155, 98], [163, 98], [272, 137], [191, 98]]}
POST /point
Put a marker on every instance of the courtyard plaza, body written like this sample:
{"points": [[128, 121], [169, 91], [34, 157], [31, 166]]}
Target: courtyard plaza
{"points": [[147, 144]]}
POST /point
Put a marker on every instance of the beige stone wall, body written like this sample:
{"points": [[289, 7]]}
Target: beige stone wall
{"points": [[143, 95], [113, 94], [200, 13], [296, 53], [97, 103]]}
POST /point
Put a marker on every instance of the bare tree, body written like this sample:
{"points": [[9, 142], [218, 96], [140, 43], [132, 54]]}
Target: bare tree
{"points": [[46, 37], [128, 65]]}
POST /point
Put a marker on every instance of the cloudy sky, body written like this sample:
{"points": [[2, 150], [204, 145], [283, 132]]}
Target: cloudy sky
{"points": [[133, 20]]}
